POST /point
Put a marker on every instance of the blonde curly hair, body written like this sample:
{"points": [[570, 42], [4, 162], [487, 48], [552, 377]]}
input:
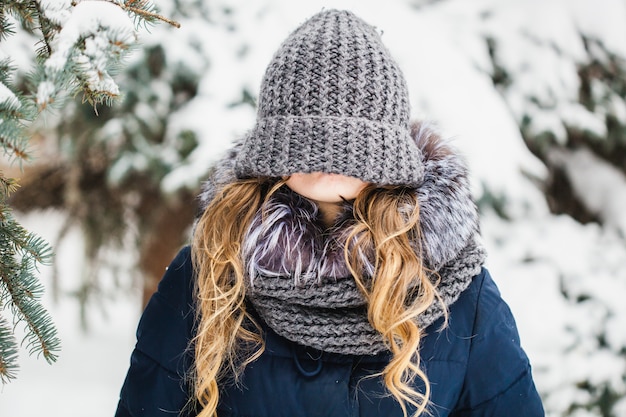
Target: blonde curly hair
{"points": [[401, 288]]}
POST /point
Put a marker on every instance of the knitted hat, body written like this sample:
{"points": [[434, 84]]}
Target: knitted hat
{"points": [[333, 100]]}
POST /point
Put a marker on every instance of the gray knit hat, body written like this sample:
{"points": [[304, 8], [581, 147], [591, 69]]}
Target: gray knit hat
{"points": [[333, 100]]}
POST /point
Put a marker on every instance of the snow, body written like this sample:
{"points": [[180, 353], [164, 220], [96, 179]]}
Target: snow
{"points": [[197, 115], [58, 11], [7, 97], [577, 116], [563, 280], [45, 93], [85, 18], [541, 52], [601, 186], [19, 49], [602, 20]]}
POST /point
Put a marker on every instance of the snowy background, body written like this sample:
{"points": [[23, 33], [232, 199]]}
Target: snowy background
{"points": [[565, 281]]}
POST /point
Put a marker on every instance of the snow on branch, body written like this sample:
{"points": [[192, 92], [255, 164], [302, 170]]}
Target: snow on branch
{"points": [[92, 39]]}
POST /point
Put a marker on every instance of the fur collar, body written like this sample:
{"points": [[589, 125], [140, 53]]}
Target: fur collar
{"points": [[448, 215], [291, 224]]}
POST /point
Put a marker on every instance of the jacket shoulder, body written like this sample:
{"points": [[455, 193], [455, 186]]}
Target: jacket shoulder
{"points": [[176, 287], [498, 378]]}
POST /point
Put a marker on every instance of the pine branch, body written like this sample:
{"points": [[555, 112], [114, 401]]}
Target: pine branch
{"points": [[8, 351], [144, 9], [15, 110], [41, 337], [72, 57], [12, 145], [6, 28], [48, 30], [20, 253], [7, 187], [25, 11]]}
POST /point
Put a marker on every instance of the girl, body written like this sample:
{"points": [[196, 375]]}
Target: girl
{"points": [[336, 269]]}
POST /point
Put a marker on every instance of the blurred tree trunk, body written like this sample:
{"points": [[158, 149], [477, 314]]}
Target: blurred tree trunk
{"points": [[166, 225]]}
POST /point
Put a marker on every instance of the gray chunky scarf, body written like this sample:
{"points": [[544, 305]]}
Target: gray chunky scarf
{"points": [[298, 281]]}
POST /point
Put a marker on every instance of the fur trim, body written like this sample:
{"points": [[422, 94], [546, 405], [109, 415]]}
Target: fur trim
{"points": [[291, 224], [448, 215], [222, 173]]}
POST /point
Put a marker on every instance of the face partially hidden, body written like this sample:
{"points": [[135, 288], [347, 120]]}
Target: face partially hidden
{"points": [[322, 187]]}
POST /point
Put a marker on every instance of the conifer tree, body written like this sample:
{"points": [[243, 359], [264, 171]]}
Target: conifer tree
{"points": [[82, 44]]}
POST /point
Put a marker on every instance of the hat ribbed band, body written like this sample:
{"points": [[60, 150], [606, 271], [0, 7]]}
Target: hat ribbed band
{"points": [[372, 151]]}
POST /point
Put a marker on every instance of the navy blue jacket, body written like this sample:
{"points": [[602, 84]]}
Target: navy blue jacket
{"points": [[476, 366]]}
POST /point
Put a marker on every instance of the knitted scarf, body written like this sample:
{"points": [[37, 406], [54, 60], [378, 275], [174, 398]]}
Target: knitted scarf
{"points": [[297, 278]]}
